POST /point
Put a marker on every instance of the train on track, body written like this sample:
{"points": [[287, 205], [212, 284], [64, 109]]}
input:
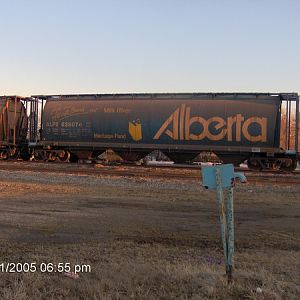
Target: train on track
{"points": [[259, 128]]}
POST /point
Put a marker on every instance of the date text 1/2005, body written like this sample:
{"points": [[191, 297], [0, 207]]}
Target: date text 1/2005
{"points": [[11, 267]]}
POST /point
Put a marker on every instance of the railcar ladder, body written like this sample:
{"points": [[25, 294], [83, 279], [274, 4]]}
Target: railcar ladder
{"points": [[35, 111]]}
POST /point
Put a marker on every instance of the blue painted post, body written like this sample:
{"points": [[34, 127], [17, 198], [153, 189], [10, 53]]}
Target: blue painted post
{"points": [[222, 178]]}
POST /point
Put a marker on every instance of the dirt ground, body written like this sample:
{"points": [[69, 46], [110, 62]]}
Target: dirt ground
{"points": [[144, 238]]}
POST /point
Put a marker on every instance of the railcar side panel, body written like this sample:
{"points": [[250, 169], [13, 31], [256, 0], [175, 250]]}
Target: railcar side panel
{"points": [[193, 122]]}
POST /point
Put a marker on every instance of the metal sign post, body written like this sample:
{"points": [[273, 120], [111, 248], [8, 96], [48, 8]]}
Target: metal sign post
{"points": [[221, 178]]}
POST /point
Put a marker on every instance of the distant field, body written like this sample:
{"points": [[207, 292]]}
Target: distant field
{"points": [[145, 238]]}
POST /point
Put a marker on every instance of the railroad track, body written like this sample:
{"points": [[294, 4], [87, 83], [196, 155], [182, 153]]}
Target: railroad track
{"points": [[176, 173]]}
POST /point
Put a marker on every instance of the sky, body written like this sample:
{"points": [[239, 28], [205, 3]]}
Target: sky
{"points": [[132, 46]]}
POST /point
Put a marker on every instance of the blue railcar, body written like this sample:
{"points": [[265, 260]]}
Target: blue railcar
{"points": [[236, 127]]}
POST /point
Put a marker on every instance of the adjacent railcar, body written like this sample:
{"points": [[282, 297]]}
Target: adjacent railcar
{"points": [[237, 127], [13, 127]]}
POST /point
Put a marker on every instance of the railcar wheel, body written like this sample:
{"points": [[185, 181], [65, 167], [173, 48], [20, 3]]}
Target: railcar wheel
{"points": [[39, 156], [253, 164], [64, 156], [14, 153], [51, 156], [288, 164], [3, 155]]}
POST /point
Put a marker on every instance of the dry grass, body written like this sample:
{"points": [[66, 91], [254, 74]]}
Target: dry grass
{"points": [[127, 270]]}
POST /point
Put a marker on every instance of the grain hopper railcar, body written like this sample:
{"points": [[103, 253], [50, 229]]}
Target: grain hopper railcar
{"points": [[236, 127]]}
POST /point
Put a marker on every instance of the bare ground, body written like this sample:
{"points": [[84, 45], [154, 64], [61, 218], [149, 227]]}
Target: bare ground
{"points": [[145, 238]]}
